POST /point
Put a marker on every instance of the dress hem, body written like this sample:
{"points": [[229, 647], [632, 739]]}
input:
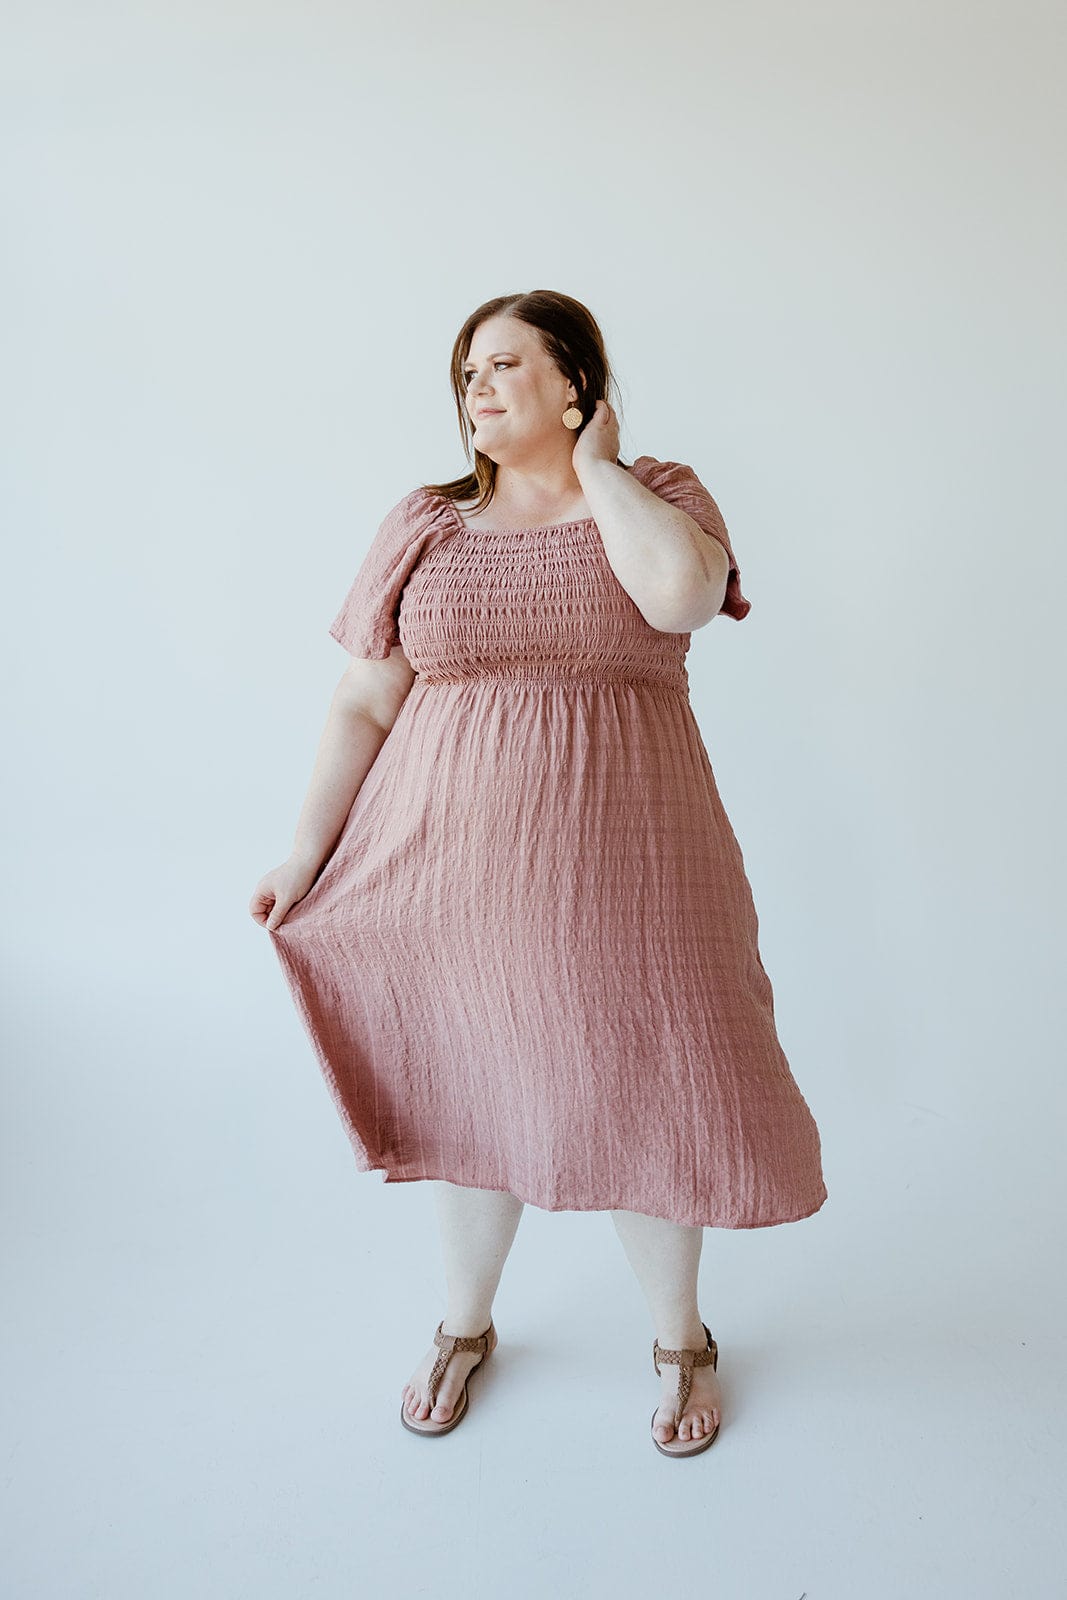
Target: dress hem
{"points": [[395, 1176]]}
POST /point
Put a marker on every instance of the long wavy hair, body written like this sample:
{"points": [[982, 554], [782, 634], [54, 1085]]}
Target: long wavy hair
{"points": [[570, 333]]}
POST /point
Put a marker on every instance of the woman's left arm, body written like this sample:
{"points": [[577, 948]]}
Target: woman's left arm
{"points": [[675, 575]]}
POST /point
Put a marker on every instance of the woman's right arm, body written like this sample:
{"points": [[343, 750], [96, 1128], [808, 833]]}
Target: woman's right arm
{"points": [[365, 705]]}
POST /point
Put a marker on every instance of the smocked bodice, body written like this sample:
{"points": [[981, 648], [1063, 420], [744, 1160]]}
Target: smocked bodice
{"points": [[535, 604]]}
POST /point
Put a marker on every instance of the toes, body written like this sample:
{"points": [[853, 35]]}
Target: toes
{"points": [[663, 1427], [418, 1406], [698, 1424]]}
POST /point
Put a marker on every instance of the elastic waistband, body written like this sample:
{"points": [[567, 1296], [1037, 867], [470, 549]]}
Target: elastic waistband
{"points": [[557, 680]]}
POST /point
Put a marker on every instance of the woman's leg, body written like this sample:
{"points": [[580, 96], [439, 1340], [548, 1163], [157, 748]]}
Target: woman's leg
{"points": [[477, 1230], [665, 1256]]}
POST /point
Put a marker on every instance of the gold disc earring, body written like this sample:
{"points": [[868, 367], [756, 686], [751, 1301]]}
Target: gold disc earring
{"points": [[572, 417]]}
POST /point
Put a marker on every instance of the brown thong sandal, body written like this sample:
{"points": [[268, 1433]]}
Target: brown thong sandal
{"points": [[447, 1344], [687, 1360]]}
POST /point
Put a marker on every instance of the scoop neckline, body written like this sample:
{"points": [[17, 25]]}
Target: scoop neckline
{"points": [[539, 527]]}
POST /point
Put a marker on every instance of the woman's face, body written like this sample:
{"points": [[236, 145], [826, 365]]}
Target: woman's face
{"points": [[515, 394]]}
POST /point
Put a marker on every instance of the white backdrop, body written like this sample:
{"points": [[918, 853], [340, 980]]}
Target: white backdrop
{"points": [[826, 246]]}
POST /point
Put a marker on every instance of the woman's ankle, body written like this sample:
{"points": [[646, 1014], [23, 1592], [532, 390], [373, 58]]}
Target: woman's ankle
{"points": [[466, 1324], [683, 1336]]}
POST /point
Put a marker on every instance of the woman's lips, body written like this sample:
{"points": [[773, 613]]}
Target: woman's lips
{"points": [[487, 412]]}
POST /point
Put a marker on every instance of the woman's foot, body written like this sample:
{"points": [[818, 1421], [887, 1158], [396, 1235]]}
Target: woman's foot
{"points": [[415, 1392], [703, 1408]]}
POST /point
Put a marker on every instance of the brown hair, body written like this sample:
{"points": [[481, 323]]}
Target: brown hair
{"points": [[569, 332]]}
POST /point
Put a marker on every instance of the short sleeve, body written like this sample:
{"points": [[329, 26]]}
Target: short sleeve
{"points": [[677, 483], [368, 623]]}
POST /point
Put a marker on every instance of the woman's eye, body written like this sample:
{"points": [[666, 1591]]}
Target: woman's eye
{"points": [[467, 376]]}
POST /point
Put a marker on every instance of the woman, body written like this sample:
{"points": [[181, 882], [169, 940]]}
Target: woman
{"points": [[516, 921]]}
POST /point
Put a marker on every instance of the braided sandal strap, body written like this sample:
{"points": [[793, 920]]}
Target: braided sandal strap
{"points": [[447, 1343], [686, 1360]]}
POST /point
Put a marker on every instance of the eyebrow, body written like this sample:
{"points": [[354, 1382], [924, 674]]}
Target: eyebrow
{"points": [[494, 356]]}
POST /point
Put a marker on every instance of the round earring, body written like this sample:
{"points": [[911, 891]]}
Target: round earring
{"points": [[572, 417]]}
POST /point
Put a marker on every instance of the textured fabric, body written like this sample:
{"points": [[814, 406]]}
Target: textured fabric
{"points": [[531, 962]]}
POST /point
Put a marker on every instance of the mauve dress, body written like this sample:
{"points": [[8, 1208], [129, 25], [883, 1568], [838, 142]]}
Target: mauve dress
{"points": [[531, 962]]}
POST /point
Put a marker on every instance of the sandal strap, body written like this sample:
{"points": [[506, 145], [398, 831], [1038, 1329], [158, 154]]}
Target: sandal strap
{"points": [[447, 1344], [686, 1360]]}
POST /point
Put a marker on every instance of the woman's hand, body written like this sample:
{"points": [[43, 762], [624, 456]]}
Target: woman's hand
{"points": [[280, 889], [598, 440]]}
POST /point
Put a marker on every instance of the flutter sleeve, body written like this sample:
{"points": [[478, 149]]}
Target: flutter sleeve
{"points": [[368, 623], [677, 483]]}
